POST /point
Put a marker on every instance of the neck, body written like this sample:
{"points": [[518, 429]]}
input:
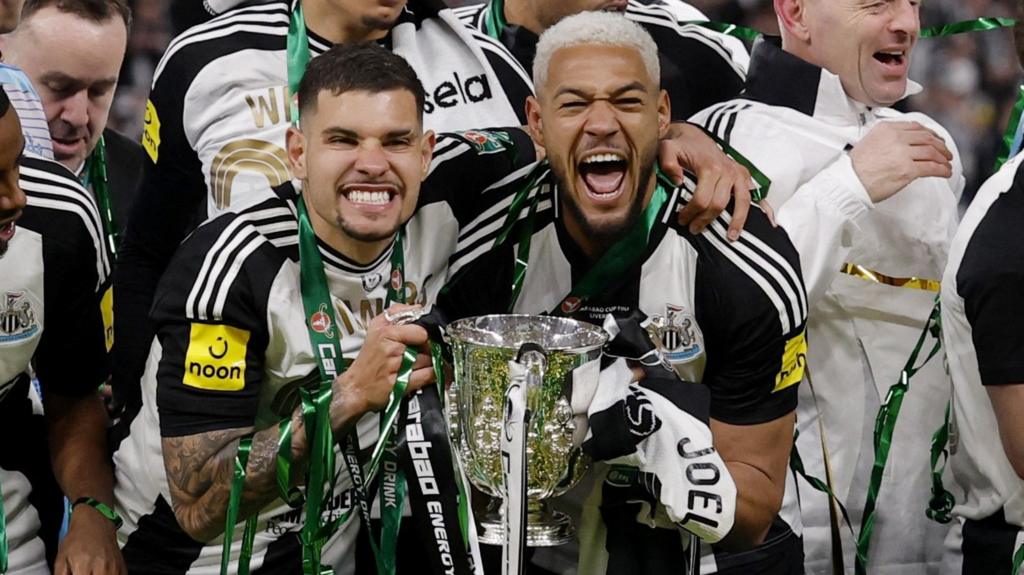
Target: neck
{"points": [[594, 245], [519, 13], [335, 25], [361, 252]]}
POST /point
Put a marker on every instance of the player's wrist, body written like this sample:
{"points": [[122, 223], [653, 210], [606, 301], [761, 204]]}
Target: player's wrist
{"points": [[94, 510], [347, 403]]}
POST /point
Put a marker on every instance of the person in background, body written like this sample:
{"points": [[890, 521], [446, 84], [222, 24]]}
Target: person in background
{"points": [[868, 195], [54, 268], [77, 88], [981, 315]]}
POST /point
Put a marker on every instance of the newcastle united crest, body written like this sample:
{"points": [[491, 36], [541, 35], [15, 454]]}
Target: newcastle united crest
{"points": [[17, 318], [678, 334]]}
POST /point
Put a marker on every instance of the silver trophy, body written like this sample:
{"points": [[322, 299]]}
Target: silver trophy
{"points": [[538, 359]]}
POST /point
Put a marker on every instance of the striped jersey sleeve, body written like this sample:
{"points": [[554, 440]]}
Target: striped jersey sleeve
{"points": [[72, 355], [210, 314], [752, 305]]}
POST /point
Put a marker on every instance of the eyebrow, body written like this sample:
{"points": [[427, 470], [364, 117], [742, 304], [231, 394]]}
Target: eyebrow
{"points": [[615, 93], [76, 83], [345, 132]]}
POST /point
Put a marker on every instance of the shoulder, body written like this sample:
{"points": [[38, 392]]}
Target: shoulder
{"points": [[63, 212], [235, 254], [762, 266], [988, 248], [259, 26]]}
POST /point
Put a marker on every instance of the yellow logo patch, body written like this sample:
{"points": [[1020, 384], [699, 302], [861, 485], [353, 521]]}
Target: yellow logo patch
{"points": [[151, 132], [794, 361], [107, 311], [215, 359]]}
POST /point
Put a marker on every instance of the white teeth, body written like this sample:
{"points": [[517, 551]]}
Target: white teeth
{"points": [[372, 198], [603, 158]]}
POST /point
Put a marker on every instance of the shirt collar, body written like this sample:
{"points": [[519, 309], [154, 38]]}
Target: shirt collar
{"points": [[778, 78]]}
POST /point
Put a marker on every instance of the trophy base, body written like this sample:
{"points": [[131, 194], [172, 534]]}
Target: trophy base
{"points": [[545, 527]]}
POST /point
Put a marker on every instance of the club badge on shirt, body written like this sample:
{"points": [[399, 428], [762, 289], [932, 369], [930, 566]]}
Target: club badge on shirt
{"points": [[18, 320]]}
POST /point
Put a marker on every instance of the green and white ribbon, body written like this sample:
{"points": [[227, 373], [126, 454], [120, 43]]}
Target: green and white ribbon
{"points": [[885, 423]]}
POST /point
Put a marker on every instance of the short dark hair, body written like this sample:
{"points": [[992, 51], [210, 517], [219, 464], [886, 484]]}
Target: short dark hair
{"points": [[358, 67], [93, 10]]}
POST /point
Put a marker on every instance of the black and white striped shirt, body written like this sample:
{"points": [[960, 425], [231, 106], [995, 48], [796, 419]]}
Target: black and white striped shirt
{"points": [[237, 278]]}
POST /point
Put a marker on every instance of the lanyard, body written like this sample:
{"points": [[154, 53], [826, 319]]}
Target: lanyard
{"points": [[96, 177], [494, 19], [297, 56]]}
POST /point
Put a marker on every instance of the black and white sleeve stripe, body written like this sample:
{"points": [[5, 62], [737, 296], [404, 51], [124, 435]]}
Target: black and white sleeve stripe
{"points": [[49, 185]]}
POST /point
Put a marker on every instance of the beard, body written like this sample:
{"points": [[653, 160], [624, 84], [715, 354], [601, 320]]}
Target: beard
{"points": [[368, 236], [607, 233]]}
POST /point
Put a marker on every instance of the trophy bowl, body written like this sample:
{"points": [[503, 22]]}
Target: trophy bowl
{"points": [[482, 348]]}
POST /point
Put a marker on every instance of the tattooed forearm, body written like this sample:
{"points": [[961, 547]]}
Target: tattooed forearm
{"points": [[200, 469]]}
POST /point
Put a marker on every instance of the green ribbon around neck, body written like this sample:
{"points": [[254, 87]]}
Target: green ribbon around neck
{"points": [[616, 261], [494, 19], [885, 423], [297, 56], [96, 178]]}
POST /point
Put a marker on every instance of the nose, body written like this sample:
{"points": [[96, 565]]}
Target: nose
{"points": [[906, 18], [371, 160], [601, 120], [75, 109], [11, 197]]}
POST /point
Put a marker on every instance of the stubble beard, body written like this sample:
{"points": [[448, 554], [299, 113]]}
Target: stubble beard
{"points": [[607, 234]]}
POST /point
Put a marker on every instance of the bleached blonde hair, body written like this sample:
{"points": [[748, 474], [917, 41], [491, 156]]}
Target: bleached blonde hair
{"points": [[601, 28]]}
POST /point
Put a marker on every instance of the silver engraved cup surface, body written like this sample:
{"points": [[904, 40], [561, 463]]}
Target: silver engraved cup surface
{"points": [[482, 347]]}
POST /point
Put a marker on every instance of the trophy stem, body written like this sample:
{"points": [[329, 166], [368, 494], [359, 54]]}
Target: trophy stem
{"points": [[545, 527]]}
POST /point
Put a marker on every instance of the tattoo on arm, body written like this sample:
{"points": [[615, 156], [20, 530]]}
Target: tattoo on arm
{"points": [[200, 469]]}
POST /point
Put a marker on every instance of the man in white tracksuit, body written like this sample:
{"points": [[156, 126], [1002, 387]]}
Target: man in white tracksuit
{"points": [[856, 182]]}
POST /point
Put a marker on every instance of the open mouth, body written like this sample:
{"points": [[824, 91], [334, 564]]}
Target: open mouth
{"points": [[7, 230], [603, 175], [894, 58], [370, 196]]}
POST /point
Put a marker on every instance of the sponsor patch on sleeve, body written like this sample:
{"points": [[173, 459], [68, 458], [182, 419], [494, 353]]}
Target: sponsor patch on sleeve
{"points": [[794, 360], [151, 132], [215, 359], [107, 311]]}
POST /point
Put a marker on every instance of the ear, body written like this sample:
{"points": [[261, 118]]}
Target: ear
{"points": [[427, 144], [534, 120], [664, 114], [295, 141], [791, 15]]}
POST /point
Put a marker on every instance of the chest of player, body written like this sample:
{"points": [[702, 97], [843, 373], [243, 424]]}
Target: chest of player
{"points": [[661, 285], [21, 304]]}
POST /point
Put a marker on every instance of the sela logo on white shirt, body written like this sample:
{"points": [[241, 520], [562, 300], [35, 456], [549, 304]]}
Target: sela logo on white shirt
{"points": [[457, 91]]}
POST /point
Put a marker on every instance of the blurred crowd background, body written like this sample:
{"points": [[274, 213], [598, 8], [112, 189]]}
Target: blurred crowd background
{"points": [[971, 80]]}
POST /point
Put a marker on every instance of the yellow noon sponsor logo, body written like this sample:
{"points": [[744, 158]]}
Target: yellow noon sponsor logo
{"points": [[794, 361], [215, 359], [151, 132], [107, 311]]}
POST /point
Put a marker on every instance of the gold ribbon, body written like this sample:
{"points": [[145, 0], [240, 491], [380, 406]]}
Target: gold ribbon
{"points": [[879, 278]]}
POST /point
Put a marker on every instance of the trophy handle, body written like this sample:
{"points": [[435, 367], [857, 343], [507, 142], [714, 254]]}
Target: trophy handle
{"points": [[526, 371]]}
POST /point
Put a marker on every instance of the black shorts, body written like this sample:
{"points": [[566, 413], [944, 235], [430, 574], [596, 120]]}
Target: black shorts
{"points": [[988, 545]]}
